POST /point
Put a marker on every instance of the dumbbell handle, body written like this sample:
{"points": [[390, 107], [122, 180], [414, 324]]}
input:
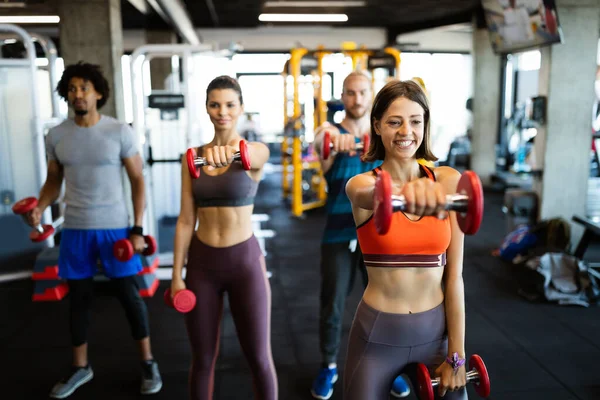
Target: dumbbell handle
{"points": [[454, 202], [145, 245], [59, 221], [201, 161], [472, 376], [359, 146]]}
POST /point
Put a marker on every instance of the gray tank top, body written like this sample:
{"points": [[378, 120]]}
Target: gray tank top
{"points": [[233, 188]]}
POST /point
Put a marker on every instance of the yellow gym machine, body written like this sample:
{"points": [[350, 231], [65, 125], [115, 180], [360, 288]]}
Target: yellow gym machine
{"points": [[291, 146]]}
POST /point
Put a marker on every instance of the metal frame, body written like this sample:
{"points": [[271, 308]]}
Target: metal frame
{"points": [[360, 59], [39, 151], [293, 67], [144, 54], [52, 55], [139, 58]]}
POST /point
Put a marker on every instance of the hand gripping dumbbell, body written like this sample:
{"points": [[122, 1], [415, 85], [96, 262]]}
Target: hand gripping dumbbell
{"points": [[40, 232], [184, 301], [478, 375], [467, 202], [195, 163], [123, 249], [328, 146]]}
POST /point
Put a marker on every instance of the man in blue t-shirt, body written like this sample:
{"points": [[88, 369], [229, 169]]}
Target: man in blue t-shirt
{"points": [[88, 153], [341, 258]]}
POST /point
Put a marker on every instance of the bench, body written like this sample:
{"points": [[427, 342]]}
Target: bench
{"points": [[592, 229]]}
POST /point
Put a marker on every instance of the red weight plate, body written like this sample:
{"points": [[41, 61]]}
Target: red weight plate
{"points": [[184, 301], [123, 250], [151, 245], [24, 206], [244, 155], [191, 156], [326, 151], [167, 297], [551, 22], [383, 202], [366, 142], [470, 185], [424, 382], [35, 236], [483, 386]]}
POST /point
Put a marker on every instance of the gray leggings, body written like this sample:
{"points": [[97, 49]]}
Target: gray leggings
{"points": [[382, 345]]}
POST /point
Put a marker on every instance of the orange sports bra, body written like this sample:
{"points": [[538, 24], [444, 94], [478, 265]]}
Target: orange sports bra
{"points": [[408, 243]]}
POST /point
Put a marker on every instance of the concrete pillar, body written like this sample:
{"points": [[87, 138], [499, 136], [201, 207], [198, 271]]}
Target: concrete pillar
{"points": [[562, 145], [486, 105], [160, 68], [91, 31]]}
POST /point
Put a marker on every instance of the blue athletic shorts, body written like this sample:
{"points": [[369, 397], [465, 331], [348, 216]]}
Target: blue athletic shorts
{"points": [[80, 250]]}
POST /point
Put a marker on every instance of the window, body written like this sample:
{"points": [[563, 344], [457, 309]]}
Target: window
{"points": [[448, 79], [263, 95]]}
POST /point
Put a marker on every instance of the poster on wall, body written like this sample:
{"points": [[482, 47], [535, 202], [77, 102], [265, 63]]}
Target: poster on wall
{"points": [[518, 25]]}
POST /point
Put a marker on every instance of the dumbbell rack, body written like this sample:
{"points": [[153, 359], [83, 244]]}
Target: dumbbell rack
{"points": [[50, 287]]}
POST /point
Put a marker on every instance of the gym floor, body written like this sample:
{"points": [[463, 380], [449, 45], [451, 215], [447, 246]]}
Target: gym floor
{"points": [[533, 350]]}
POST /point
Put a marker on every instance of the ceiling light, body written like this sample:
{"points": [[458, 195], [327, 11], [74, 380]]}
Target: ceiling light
{"points": [[341, 3], [12, 5], [30, 19], [303, 17]]}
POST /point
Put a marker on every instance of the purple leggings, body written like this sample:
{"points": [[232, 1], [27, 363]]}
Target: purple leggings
{"points": [[240, 271], [381, 346]]}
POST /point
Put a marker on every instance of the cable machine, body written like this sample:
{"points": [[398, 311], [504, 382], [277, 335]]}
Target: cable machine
{"points": [[302, 175]]}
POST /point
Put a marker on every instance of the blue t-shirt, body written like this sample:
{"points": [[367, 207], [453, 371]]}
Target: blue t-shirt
{"points": [[340, 225]]}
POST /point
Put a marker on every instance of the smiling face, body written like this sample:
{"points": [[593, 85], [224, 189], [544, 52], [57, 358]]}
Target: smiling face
{"points": [[400, 123], [224, 108], [402, 128]]}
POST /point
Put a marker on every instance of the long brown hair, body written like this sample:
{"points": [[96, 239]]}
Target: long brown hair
{"points": [[384, 99]]}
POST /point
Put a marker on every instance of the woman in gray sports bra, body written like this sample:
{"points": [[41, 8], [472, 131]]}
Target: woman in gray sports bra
{"points": [[223, 256]]}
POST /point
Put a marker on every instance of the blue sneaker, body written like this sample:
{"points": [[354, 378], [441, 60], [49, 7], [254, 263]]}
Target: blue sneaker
{"points": [[400, 387], [323, 385]]}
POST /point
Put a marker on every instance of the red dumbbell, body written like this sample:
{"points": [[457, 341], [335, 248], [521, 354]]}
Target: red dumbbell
{"points": [[123, 249], [184, 301], [478, 375], [40, 232], [194, 162], [467, 202], [551, 24], [328, 146]]}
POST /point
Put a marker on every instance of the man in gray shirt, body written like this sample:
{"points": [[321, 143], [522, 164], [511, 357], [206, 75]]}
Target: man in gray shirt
{"points": [[89, 152]]}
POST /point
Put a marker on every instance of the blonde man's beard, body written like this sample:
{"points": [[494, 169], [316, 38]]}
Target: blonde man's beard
{"points": [[355, 115]]}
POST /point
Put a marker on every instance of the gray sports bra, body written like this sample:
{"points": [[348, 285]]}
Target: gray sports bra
{"points": [[233, 188]]}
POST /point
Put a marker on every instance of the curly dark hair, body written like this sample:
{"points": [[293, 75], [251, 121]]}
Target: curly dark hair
{"points": [[88, 72]]}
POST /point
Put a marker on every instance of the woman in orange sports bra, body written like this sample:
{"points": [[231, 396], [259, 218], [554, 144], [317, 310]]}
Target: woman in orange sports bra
{"points": [[412, 310]]}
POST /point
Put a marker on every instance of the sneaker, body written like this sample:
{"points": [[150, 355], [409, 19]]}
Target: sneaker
{"points": [[151, 380], [323, 385], [400, 387], [77, 377]]}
